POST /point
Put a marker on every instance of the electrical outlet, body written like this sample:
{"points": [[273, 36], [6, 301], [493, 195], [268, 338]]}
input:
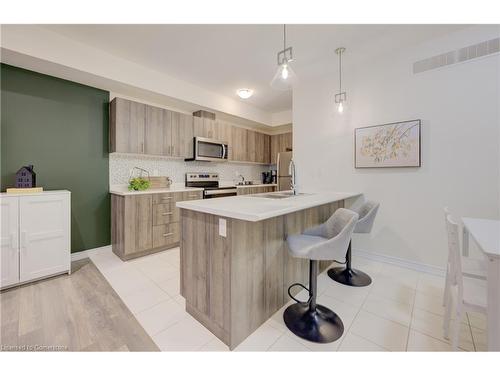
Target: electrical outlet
{"points": [[222, 228]]}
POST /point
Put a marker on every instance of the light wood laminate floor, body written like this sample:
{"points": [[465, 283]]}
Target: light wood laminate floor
{"points": [[77, 312]]}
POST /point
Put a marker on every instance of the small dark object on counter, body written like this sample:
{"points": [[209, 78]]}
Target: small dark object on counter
{"points": [[267, 177]]}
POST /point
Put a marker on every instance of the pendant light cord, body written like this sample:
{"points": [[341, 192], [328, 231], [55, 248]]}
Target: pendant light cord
{"points": [[340, 71], [284, 37]]}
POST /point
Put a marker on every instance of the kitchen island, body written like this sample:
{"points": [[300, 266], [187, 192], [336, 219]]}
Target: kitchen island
{"points": [[235, 267]]}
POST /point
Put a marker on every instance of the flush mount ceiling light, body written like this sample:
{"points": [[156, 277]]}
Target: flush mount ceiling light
{"points": [[244, 93], [285, 76], [341, 97]]}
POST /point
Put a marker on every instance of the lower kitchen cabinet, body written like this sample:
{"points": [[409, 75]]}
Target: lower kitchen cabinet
{"points": [[245, 190], [35, 236], [165, 235], [146, 223]]}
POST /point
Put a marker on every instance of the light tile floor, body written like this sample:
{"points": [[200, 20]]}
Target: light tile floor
{"points": [[400, 311]]}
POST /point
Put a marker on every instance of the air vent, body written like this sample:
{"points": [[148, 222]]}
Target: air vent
{"points": [[463, 54]]}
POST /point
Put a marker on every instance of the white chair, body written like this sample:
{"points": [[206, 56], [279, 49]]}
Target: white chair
{"points": [[327, 241], [475, 268], [348, 275], [465, 294]]}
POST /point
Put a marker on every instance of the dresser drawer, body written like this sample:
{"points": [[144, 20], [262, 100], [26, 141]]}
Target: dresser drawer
{"points": [[164, 235]]}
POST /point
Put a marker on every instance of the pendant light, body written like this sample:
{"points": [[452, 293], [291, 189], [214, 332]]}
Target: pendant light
{"points": [[341, 97], [285, 76]]}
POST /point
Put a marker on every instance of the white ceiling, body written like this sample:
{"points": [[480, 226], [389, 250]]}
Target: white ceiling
{"points": [[223, 58]]}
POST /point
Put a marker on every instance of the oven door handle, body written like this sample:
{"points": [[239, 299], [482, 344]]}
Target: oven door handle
{"points": [[220, 191]]}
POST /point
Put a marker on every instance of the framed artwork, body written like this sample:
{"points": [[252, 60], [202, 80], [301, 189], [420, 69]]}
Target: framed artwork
{"points": [[387, 146]]}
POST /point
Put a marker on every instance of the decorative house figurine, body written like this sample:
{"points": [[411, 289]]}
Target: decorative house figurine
{"points": [[26, 177]]}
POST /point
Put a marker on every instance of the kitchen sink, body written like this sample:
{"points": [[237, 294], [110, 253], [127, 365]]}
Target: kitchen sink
{"points": [[279, 195]]}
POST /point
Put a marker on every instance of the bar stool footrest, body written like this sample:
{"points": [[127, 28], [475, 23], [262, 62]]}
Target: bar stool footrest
{"points": [[303, 287]]}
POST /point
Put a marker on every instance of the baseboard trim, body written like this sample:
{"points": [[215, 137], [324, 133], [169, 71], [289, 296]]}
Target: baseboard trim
{"points": [[86, 253], [416, 266]]}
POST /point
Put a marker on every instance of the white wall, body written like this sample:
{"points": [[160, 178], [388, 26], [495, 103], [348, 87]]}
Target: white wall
{"points": [[459, 109]]}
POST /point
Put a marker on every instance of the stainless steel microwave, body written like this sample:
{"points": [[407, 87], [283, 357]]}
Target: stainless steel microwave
{"points": [[207, 149]]}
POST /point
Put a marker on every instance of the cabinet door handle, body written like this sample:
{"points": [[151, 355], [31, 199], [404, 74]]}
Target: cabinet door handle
{"points": [[13, 240], [173, 150], [167, 213], [142, 147], [167, 234], [24, 239]]}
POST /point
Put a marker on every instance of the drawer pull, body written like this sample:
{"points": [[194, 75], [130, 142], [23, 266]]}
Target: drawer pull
{"points": [[166, 213], [193, 195], [166, 199], [167, 234]]}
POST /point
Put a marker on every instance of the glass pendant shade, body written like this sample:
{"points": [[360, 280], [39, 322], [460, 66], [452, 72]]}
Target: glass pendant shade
{"points": [[340, 108], [284, 78]]}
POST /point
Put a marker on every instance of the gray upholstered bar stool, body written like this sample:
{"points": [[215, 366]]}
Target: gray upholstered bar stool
{"points": [[347, 275], [327, 241]]}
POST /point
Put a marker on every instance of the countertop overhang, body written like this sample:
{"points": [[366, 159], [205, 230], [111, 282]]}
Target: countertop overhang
{"points": [[122, 190], [175, 188], [256, 208]]}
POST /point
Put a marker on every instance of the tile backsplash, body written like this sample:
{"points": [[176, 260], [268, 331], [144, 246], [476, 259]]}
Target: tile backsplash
{"points": [[121, 164]]}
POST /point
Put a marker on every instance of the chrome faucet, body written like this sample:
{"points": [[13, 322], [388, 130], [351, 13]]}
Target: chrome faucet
{"points": [[242, 179], [291, 171]]}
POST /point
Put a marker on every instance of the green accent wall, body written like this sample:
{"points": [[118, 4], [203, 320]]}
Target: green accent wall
{"points": [[60, 127]]}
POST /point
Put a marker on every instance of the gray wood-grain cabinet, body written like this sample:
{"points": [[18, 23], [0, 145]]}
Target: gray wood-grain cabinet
{"points": [[280, 143], [146, 223], [181, 144], [239, 144], [127, 120], [158, 131], [138, 128]]}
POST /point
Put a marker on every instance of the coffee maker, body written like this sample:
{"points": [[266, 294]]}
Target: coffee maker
{"points": [[267, 177]]}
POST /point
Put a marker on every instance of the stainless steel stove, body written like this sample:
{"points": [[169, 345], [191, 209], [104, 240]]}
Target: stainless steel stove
{"points": [[210, 184]]}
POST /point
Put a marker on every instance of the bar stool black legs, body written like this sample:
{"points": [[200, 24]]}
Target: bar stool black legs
{"points": [[349, 276], [311, 321]]}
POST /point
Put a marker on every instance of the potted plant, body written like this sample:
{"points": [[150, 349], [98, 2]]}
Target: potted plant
{"points": [[138, 183]]}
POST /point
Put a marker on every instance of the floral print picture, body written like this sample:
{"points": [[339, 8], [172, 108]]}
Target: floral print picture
{"points": [[388, 145]]}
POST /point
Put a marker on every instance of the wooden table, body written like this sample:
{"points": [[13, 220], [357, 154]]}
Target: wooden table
{"points": [[486, 233]]}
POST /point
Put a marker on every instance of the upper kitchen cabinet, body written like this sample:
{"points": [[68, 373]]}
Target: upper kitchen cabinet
{"points": [[262, 150], [205, 127], [182, 135], [251, 146], [158, 131], [127, 126], [239, 144], [138, 128], [280, 143], [224, 134], [267, 148]]}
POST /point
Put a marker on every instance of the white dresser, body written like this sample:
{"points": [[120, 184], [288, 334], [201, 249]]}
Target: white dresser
{"points": [[35, 238]]}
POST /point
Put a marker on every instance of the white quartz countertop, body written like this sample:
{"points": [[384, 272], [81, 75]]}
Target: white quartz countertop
{"points": [[123, 190], [257, 207], [44, 192]]}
